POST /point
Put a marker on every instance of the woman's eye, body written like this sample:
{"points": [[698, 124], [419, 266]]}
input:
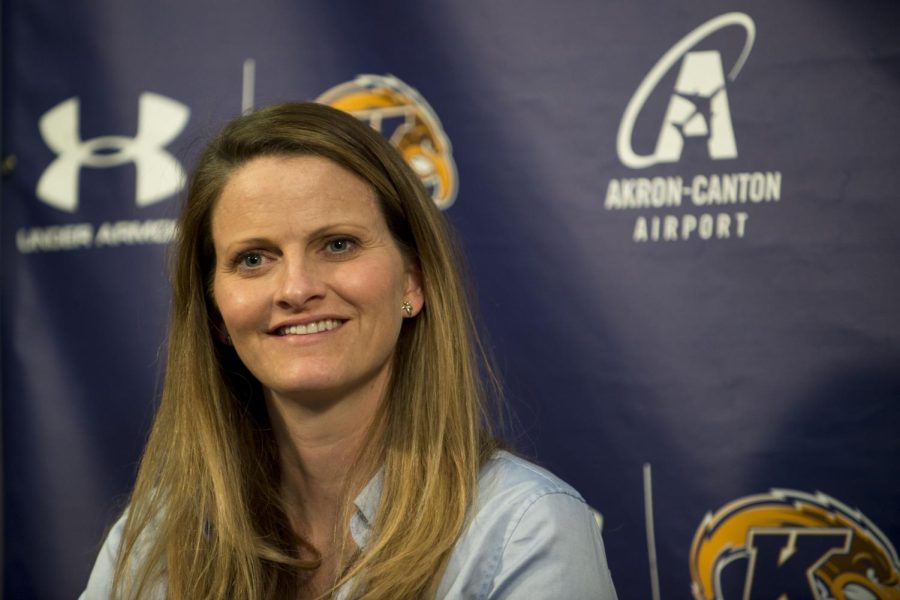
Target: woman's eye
{"points": [[339, 245], [250, 259]]}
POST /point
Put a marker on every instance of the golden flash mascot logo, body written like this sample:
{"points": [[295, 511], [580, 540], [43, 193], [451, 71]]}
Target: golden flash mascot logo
{"points": [[406, 119], [791, 545]]}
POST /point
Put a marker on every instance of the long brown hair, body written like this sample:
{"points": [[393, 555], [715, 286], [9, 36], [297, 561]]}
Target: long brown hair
{"points": [[205, 515]]}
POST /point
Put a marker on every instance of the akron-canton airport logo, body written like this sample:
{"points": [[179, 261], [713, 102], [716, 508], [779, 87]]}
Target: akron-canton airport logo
{"points": [[698, 112], [406, 119], [789, 544]]}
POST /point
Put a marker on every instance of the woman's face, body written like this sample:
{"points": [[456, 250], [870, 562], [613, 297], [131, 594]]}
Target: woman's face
{"points": [[308, 279]]}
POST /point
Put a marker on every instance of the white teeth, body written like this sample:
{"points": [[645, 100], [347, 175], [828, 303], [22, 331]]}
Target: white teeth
{"points": [[318, 326]]}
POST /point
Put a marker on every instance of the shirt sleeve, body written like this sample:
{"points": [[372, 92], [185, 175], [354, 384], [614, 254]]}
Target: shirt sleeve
{"points": [[553, 550]]}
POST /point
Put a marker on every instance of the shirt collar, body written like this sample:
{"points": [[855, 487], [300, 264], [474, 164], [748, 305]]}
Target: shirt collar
{"points": [[366, 507]]}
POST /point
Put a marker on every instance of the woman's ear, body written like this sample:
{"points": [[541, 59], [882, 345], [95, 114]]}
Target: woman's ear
{"points": [[414, 294]]}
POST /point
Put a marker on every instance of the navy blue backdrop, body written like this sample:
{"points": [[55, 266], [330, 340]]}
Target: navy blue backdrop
{"points": [[682, 220]]}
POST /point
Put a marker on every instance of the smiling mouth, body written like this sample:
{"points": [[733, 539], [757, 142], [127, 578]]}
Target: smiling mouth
{"points": [[315, 327]]}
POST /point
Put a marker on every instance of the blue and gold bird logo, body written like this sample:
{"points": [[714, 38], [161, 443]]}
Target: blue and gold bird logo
{"points": [[790, 544], [406, 119]]}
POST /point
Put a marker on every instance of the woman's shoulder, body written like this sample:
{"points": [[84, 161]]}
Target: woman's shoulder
{"points": [[99, 585], [100, 581], [530, 534], [515, 495], [514, 478]]}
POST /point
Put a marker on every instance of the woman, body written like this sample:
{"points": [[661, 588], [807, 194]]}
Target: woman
{"points": [[322, 430]]}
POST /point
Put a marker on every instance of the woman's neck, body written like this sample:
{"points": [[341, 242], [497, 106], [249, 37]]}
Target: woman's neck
{"points": [[318, 446]]}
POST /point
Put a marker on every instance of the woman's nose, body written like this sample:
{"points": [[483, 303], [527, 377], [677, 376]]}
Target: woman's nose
{"points": [[300, 282]]}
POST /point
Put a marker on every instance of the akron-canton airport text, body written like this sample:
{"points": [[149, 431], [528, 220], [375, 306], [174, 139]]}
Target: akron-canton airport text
{"points": [[708, 191]]}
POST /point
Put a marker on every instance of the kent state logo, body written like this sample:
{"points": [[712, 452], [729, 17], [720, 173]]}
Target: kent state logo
{"points": [[790, 545], [698, 106], [406, 119], [159, 175]]}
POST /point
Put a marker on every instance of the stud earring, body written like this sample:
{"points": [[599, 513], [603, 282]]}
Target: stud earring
{"points": [[407, 308]]}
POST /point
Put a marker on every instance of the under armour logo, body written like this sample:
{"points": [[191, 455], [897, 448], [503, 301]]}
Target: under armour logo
{"points": [[158, 174]]}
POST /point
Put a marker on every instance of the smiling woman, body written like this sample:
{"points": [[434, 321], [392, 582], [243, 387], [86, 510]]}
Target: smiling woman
{"points": [[309, 282], [323, 429]]}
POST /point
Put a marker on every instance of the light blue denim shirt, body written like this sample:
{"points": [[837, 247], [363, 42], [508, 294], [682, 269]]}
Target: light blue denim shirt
{"points": [[531, 536]]}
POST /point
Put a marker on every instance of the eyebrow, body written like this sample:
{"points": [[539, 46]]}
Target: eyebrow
{"points": [[325, 228], [250, 242], [262, 240]]}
